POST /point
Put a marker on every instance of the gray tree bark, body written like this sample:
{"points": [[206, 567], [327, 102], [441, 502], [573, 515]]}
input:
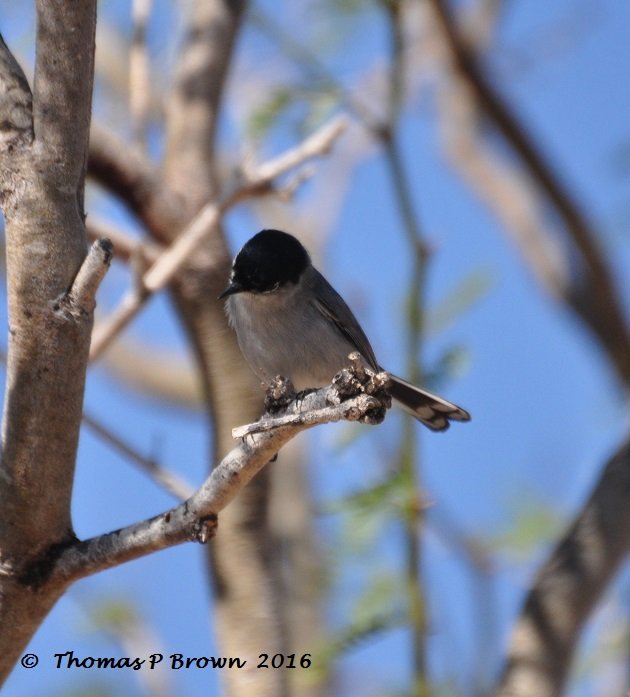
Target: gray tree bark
{"points": [[43, 147]]}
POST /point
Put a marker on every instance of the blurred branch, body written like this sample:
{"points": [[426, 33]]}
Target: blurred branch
{"points": [[167, 480], [139, 73], [166, 374], [256, 182], [193, 105], [502, 185], [310, 62], [591, 293], [196, 518], [126, 247], [133, 178], [408, 455], [480, 22], [482, 566], [124, 624], [568, 586]]}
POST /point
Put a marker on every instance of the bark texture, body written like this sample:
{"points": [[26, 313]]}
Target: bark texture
{"points": [[43, 151], [568, 586]]}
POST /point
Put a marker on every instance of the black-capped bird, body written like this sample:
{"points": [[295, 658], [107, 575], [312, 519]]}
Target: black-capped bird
{"points": [[290, 321]]}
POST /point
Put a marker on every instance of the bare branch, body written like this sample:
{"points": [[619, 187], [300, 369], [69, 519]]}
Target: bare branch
{"points": [[195, 518], [106, 332], [567, 587], [176, 256], [363, 404], [317, 144], [45, 250]]}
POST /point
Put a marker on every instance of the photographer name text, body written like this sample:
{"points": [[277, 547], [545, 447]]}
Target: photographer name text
{"points": [[68, 660]]}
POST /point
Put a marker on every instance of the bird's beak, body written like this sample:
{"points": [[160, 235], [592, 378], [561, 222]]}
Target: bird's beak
{"points": [[232, 288]]}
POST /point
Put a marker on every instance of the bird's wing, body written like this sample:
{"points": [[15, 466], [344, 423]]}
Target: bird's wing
{"points": [[334, 308]]}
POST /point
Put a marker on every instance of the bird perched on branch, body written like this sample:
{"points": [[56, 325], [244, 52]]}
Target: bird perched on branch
{"points": [[290, 321]]}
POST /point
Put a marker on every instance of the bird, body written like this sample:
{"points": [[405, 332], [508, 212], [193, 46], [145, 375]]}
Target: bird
{"points": [[290, 321]]}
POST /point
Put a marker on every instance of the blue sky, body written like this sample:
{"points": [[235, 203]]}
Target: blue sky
{"points": [[546, 410]]}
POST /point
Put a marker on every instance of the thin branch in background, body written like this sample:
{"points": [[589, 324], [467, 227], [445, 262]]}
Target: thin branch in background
{"points": [[257, 181], [126, 247], [408, 455], [482, 567], [122, 622], [170, 482], [481, 22], [105, 332], [502, 185], [311, 64], [139, 73], [592, 294]]}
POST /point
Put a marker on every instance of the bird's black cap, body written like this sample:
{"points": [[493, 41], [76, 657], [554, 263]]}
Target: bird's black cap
{"points": [[269, 260]]}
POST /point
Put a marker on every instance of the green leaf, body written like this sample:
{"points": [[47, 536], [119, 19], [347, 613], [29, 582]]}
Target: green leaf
{"points": [[378, 599], [534, 520], [262, 119], [454, 361], [459, 300], [353, 635], [368, 500]]}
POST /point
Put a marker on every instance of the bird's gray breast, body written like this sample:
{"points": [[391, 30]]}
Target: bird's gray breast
{"points": [[283, 333]]}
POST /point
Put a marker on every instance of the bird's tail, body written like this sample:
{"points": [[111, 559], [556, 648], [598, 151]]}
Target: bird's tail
{"points": [[433, 411]]}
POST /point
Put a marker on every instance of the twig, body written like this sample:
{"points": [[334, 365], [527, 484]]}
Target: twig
{"points": [[107, 331], [351, 411], [408, 453], [167, 480], [317, 144], [82, 294], [173, 259]]}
